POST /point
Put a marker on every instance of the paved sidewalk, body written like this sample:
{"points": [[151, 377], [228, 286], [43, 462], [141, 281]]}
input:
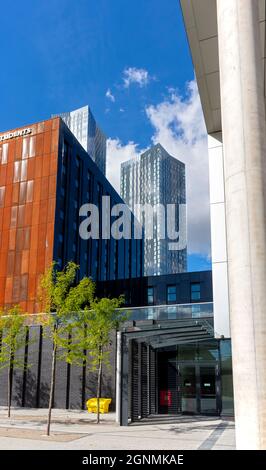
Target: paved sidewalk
{"points": [[74, 429]]}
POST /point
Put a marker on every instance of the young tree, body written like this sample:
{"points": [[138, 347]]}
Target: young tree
{"points": [[60, 298], [104, 317], [13, 339], [89, 331]]}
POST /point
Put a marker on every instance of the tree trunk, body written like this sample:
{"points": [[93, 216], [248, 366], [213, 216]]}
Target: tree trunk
{"points": [[52, 384], [9, 385], [99, 384]]}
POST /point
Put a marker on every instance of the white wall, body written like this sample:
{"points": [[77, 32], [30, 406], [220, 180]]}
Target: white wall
{"points": [[218, 236]]}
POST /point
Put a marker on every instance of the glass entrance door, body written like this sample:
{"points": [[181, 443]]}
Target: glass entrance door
{"points": [[208, 401], [187, 389], [188, 385], [197, 389]]}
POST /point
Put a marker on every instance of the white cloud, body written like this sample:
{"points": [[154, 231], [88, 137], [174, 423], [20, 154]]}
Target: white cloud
{"points": [[118, 153], [179, 126], [109, 95], [134, 75]]}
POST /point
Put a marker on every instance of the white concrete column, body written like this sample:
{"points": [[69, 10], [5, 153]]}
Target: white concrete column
{"points": [[244, 138], [218, 237]]}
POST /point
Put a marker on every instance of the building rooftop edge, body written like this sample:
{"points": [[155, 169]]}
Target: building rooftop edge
{"points": [[24, 126]]}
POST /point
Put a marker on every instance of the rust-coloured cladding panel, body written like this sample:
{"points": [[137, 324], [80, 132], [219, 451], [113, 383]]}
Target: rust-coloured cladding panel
{"points": [[28, 172]]}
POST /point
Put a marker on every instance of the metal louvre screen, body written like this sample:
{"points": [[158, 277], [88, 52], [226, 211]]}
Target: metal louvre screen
{"points": [[143, 391], [144, 381], [135, 382], [153, 382]]}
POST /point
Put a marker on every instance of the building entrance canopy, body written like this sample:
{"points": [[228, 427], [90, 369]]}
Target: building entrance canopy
{"points": [[137, 348], [167, 333]]}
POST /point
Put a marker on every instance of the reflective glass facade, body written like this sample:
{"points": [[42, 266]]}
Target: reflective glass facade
{"points": [[84, 127], [155, 178], [227, 377]]}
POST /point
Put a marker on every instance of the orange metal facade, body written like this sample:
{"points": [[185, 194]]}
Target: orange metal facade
{"points": [[28, 173]]}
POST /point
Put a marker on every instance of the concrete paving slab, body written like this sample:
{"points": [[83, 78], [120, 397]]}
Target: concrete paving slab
{"points": [[75, 429]]}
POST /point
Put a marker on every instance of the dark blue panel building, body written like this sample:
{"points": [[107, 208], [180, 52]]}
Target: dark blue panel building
{"points": [[79, 181], [181, 288]]}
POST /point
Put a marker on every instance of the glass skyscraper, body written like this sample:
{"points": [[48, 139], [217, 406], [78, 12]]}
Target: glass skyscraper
{"points": [[84, 127], [156, 178]]}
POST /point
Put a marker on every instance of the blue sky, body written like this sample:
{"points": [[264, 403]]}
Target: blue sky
{"points": [[58, 55]]}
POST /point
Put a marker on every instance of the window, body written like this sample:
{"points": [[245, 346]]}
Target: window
{"points": [[195, 291], [23, 176], [25, 148], [16, 172], [32, 146], [21, 215], [26, 192], [150, 295], [171, 294], [20, 171], [22, 193], [3, 154], [2, 196], [29, 191], [28, 147], [14, 215]]}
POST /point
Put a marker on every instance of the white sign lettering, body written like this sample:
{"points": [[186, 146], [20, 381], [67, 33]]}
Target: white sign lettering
{"points": [[12, 135]]}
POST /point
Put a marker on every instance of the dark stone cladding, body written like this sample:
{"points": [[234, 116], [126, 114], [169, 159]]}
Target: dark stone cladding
{"points": [[73, 384]]}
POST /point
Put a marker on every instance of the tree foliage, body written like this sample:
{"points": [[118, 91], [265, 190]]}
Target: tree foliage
{"points": [[78, 324], [105, 316], [13, 339], [13, 336], [62, 298]]}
